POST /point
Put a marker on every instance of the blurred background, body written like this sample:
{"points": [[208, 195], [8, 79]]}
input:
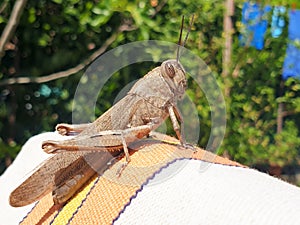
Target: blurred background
{"points": [[252, 48]]}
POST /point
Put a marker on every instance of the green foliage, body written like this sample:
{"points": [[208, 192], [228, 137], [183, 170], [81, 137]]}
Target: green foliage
{"points": [[284, 148], [56, 35], [256, 93]]}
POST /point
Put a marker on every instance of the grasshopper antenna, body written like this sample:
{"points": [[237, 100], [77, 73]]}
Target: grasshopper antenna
{"points": [[189, 30], [180, 36], [187, 35]]}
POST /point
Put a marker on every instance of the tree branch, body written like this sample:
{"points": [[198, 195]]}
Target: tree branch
{"points": [[11, 25], [288, 113], [71, 71]]}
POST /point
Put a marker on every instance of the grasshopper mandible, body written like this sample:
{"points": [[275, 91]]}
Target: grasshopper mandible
{"points": [[138, 113]]}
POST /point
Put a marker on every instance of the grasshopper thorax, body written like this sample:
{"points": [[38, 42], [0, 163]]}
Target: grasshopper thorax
{"points": [[174, 74]]}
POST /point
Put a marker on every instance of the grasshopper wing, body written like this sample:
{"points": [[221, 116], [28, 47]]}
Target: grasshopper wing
{"points": [[42, 180]]}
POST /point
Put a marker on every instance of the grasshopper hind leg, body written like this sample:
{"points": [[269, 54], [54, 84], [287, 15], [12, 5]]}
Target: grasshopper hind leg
{"points": [[71, 129]]}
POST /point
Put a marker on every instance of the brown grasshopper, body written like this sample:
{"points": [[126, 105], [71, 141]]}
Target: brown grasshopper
{"points": [[138, 113]]}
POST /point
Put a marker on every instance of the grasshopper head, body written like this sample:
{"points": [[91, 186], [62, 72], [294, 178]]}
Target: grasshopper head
{"points": [[172, 71], [174, 75]]}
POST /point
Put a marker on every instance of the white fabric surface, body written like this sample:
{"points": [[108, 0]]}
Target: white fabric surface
{"points": [[29, 158], [217, 195], [186, 192]]}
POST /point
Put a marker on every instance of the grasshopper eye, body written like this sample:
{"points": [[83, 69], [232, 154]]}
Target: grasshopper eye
{"points": [[170, 70]]}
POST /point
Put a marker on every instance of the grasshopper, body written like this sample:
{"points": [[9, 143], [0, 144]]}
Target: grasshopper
{"points": [[149, 102]]}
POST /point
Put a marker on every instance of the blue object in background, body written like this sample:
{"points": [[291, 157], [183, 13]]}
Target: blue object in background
{"points": [[255, 20], [291, 65], [294, 28], [278, 22]]}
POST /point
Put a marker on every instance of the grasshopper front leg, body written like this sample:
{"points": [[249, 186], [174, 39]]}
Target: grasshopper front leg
{"points": [[174, 115]]}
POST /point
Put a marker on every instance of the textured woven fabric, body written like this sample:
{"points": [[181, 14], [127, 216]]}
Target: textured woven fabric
{"points": [[166, 184], [215, 195], [29, 158], [101, 201]]}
